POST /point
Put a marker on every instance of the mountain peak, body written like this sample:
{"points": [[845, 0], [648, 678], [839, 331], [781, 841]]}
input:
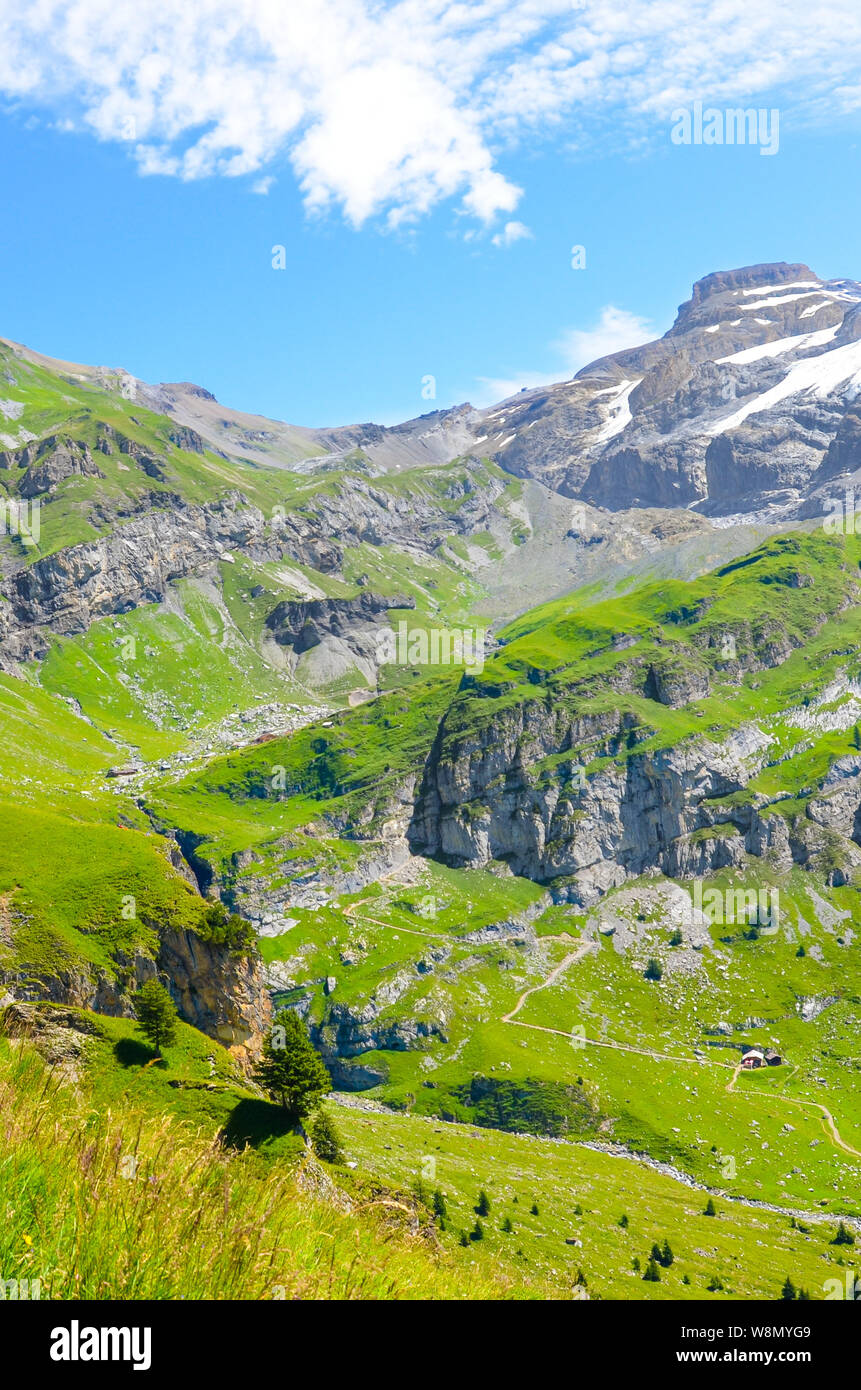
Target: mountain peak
{"points": [[187, 388], [768, 275]]}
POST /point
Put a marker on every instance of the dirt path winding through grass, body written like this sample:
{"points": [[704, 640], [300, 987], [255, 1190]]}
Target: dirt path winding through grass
{"points": [[389, 926], [829, 1124], [572, 956], [582, 949]]}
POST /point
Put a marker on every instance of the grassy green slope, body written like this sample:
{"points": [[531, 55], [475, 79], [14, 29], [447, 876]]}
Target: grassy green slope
{"points": [[124, 1199], [680, 1109], [650, 1074], [581, 1196]]}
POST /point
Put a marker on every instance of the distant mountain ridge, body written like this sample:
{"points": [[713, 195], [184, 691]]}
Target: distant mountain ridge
{"points": [[747, 405], [667, 458]]}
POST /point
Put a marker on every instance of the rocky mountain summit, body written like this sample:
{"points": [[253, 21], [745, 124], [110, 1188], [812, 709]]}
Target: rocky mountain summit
{"points": [[746, 405]]}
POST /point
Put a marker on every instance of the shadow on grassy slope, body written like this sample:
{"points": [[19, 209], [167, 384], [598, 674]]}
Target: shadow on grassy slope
{"points": [[131, 1052], [255, 1122]]}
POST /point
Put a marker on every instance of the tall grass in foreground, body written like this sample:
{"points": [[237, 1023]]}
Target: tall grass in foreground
{"points": [[132, 1206]]}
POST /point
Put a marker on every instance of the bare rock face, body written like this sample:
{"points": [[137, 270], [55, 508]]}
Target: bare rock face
{"points": [[53, 460], [223, 995], [158, 537], [482, 800], [66, 591], [59, 1035], [93, 990], [348, 1033], [303, 623]]}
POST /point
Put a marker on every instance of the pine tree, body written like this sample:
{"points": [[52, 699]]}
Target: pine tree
{"points": [[440, 1210], [421, 1191], [534, 1209], [710, 1208], [578, 1210], [655, 1254], [477, 1232], [801, 951], [222, 928], [156, 1014], [676, 938], [623, 1221], [654, 970], [652, 1274], [856, 736], [843, 1236], [326, 1139], [667, 1255], [464, 1238], [506, 1225], [290, 1070], [788, 1291], [482, 1206]]}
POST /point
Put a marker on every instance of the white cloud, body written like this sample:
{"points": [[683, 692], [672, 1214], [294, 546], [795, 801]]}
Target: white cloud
{"points": [[262, 186], [615, 330], [389, 106], [511, 232]]}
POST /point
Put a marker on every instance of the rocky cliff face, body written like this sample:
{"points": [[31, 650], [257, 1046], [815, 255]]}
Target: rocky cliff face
{"points": [[348, 1033], [49, 462], [166, 538], [225, 996], [344, 632], [130, 565], [302, 624], [484, 798]]}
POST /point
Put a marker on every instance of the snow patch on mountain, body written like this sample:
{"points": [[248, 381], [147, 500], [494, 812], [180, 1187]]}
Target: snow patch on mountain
{"points": [[822, 375], [620, 411], [798, 343], [774, 301]]}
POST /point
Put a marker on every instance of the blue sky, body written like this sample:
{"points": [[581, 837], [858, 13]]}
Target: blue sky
{"points": [[133, 236]]}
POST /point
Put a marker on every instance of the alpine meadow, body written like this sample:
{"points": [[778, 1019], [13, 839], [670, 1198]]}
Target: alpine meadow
{"points": [[430, 850]]}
